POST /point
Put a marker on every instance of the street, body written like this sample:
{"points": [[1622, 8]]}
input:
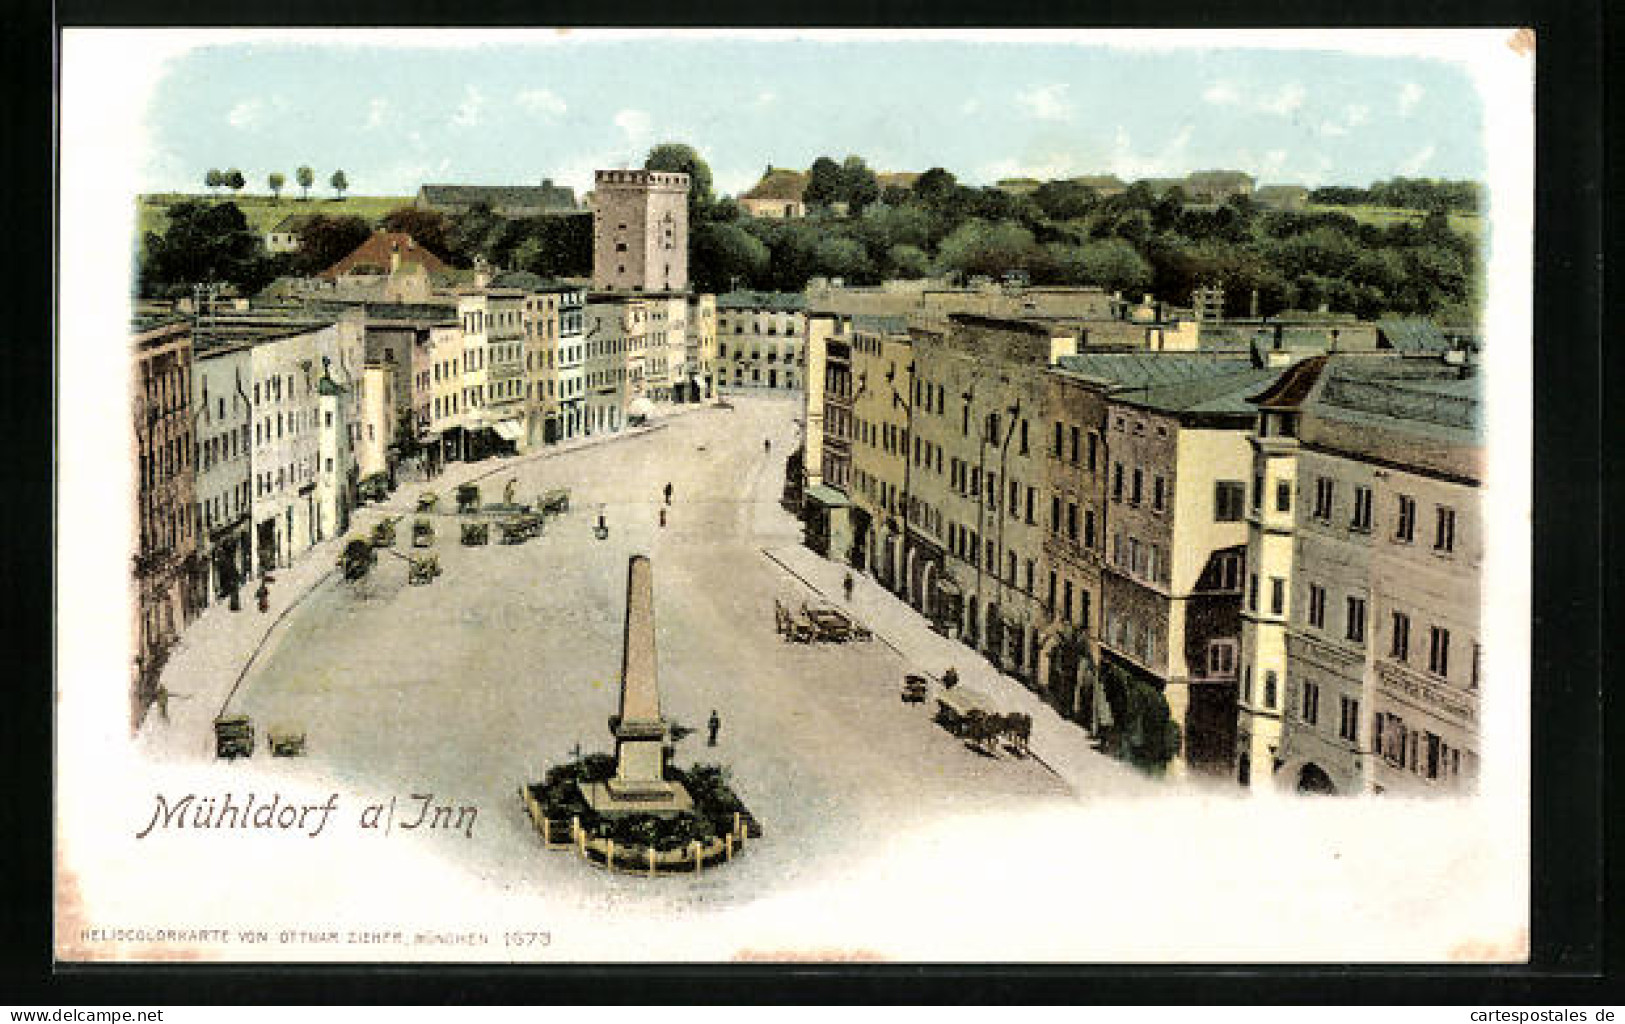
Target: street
{"points": [[474, 684]]}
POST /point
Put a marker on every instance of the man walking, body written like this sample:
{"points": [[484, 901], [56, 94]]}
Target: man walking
{"points": [[846, 585], [713, 727], [668, 493]]}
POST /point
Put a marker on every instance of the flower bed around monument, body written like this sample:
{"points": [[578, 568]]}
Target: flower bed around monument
{"points": [[645, 843]]}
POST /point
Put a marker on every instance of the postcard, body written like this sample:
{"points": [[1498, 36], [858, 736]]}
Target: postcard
{"points": [[883, 496]]}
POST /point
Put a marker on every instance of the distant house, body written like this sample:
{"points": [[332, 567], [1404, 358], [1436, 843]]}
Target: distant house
{"points": [[503, 200], [1282, 197], [778, 195], [1017, 186], [897, 179], [384, 253], [1103, 185], [284, 237], [1216, 186]]}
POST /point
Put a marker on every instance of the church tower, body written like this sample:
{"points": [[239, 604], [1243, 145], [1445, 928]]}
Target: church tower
{"points": [[640, 231]]}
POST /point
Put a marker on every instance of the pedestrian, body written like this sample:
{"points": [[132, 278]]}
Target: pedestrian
{"points": [[713, 727], [950, 678], [668, 492], [263, 596], [662, 519], [846, 585], [162, 698], [767, 446]]}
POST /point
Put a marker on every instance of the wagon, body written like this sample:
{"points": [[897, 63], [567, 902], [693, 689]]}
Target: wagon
{"points": [[829, 623], [914, 689], [422, 533], [475, 534], [285, 741], [468, 498], [520, 528], [555, 502], [383, 534], [374, 487], [233, 736], [792, 628], [422, 570], [428, 501], [956, 706]]}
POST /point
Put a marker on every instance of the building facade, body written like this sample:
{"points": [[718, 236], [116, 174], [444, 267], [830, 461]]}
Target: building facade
{"points": [[168, 577], [761, 340], [640, 231], [222, 375]]}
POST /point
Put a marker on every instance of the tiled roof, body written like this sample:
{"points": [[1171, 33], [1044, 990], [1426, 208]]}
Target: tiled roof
{"points": [[377, 250], [1293, 386], [292, 223], [1223, 394], [1142, 369], [779, 183], [787, 302], [1449, 406], [1413, 335]]}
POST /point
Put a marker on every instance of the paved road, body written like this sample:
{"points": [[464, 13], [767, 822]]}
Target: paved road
{"points": [[468, 687]]}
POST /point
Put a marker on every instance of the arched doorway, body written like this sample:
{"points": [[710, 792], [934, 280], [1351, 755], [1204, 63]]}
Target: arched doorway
{"points": [[1313, 779]]}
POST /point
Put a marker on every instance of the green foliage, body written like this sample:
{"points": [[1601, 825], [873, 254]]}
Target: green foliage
{"points": [[1146, 734], [204, 242], [306, 178], [908, 262], [339, 182], [234, 180], [276, 180], [324, 240], [428, 228], [1408, 193], [676, 157], [724, 253], [547, 246], [980, 247], [824, 183]]}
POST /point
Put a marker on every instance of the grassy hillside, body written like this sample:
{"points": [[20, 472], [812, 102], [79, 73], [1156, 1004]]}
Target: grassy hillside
{"points": [[264, 211], [1469, 224]]}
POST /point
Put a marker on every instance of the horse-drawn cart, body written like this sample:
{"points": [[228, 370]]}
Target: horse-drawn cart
{"points": [[554, 502], [915, 689], [468, 498], [520, 528], [233, 736], [476, 534], [422, 533], [422, 569]]}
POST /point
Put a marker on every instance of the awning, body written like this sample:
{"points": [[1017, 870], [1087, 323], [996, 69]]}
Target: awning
{"points": [[508, 429], [827, 496]]}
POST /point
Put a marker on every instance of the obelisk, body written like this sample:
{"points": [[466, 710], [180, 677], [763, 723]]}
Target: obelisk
{"points": [[640, 781]]}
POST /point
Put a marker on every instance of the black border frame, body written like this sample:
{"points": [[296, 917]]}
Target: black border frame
{"points": [[1571, 963]]}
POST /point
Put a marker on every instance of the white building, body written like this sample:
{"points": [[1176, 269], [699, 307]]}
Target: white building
{"points": [[493, 369], [761, 340], [221, 377]]}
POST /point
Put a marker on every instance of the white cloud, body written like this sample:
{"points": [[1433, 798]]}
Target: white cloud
{"points": [[1286, 101], [1044, 168], [1170, 159], [245, 114], [1221, 94], [1332, 129], [765, 99], [635, 123], [1410, 94], [1417, 161], [1274, 160], [1045, 102], [1356, 114], [471, 110], [377, 111], [541, 101], [970, 106]]}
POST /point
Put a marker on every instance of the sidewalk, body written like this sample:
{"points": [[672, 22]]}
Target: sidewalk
{"points": [[218, 649], [1062, 745]]}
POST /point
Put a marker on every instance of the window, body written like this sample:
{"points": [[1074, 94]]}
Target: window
{"points": [[1317, 606], [1134, 492], [1071, 521], [1356, 620], [1444, 533], [1277, 595], [1323, 499], [1310, 709], [1362, 510], [1400, 648], [1405, 529], [1066, 601], [1221, 657], [1252, 591], [1055, 514], [1258, 492], [1117, 481], [1348, 719], [1157, 496], [1093, 445], [1439, 651], [1269, 688], [1227, 500], [1089, 527], [1247, 685], [1283, 496], [1075, 436], [1060, 433], [1477, 667], [1050, 602]]}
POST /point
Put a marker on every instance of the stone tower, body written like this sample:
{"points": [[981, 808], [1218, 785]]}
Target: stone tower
{"points": [[640, 231]]}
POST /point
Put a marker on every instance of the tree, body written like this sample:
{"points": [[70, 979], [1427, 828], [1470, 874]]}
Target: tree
{"points": [[276, 181], [908, 262], [429, 228], [234, 180], [845, 258], [1064, 200], [324, 240], [726, 253], [339, 183], [824, 183], [859, 185], [203, 242], [214, 179], [934, 185], [547, 246], [475, 232], [306, 178], [979, 247], [679, 158]]}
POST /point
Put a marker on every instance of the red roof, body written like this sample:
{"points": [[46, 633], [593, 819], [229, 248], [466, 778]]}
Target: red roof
{"points": [[380, 248]]}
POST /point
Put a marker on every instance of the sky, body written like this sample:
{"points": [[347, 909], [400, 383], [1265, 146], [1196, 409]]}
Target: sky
{"points": [[545, 106]]}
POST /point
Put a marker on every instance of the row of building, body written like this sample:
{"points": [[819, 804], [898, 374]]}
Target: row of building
{"points": [[256, 425], [1273, 526]]}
